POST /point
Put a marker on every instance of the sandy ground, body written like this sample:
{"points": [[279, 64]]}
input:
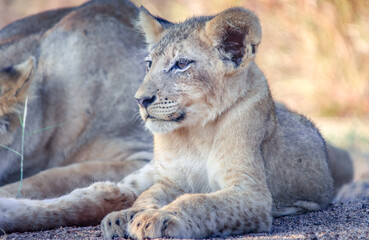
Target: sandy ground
{"points": [[338, 221]]}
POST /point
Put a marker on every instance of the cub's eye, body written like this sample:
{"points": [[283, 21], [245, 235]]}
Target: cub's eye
{"points": [[148, 65], [182, 63]]}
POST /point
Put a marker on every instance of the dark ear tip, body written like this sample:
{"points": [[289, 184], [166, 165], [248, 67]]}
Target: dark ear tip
{"points": [[143, 9], [8, 70]]}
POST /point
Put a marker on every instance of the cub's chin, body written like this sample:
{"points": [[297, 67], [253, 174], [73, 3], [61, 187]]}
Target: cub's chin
{"points": [[157, 126]]}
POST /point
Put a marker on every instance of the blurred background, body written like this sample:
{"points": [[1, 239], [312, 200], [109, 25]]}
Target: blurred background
{"points": [[314, 53]]}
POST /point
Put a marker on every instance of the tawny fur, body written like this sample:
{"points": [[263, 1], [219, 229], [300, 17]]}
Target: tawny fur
{"points": [[82, 85], [226, 160]]}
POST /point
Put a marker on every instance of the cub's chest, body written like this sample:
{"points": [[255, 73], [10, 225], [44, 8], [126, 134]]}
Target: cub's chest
{"points": [[183, 158], [189, 172]]}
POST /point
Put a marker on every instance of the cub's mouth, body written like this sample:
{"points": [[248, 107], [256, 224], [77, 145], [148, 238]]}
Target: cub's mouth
{"points": [[178, 119], [159, 111]]}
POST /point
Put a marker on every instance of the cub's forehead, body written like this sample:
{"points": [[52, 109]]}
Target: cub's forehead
{"points": [[178, 34]]}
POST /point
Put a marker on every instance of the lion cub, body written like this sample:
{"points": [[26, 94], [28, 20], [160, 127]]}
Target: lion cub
{"points": [[226, 160]]}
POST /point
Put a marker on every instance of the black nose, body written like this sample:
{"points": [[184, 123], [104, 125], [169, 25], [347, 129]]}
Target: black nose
{"points": [[146, 101]]}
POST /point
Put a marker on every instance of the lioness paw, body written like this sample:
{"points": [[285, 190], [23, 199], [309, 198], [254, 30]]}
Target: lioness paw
{"points": [[157, 224], [115, 223]]}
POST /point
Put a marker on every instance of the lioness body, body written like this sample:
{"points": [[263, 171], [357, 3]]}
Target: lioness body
{"points": [[225, 160], [79, 101]]}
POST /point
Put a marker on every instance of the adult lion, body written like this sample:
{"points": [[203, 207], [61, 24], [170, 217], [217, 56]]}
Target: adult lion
{"points": [[81, 119]]}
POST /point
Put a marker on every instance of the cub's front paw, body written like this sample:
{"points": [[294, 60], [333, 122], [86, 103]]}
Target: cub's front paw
{"points": [[157, 224], [115, 223]]}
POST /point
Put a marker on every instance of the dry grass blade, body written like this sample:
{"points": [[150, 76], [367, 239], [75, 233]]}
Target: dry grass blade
{"points": [[23, 123]]}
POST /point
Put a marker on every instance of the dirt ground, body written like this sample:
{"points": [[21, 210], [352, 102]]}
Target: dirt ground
{"points": [[338, 221]]}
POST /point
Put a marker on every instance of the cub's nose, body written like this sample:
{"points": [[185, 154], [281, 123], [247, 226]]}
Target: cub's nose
{"points": [[146, 101]]}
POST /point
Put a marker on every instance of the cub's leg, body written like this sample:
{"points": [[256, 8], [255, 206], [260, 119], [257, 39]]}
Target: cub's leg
{"points": [[85, 206], [58, 181], [340, 165], [235, 210]]}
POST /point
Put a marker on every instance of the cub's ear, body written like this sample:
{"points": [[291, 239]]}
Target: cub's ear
{"points": [[236, 32], [15, 84], [153, 27]]}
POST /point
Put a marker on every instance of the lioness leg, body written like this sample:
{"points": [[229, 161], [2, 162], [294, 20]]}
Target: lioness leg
{"points": [[81, 207], [58, 181], [85, 206]]}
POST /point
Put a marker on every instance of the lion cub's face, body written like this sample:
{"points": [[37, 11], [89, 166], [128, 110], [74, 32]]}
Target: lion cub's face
{"points": [[188, 66], [178, 85]]}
